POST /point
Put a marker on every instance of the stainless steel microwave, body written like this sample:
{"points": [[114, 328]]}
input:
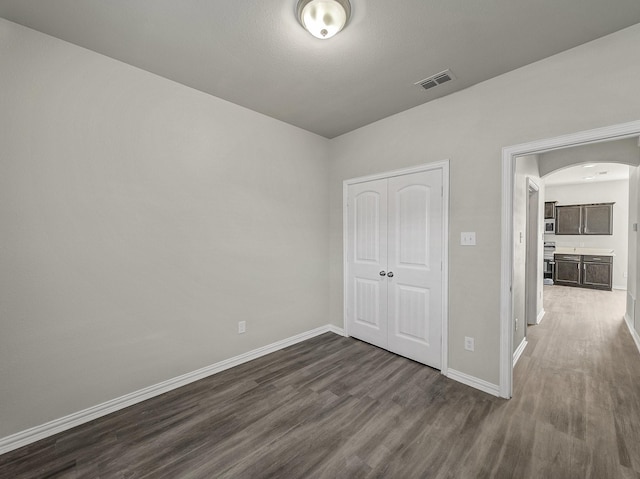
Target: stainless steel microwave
{"points": [[549, 227]]}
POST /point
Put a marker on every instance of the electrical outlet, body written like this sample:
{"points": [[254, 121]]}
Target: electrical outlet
{"points": [[469, 343], [242, 327], [468, 238]]}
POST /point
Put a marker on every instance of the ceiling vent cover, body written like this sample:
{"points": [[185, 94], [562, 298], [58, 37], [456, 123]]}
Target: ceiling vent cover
{"points": [[435, 80]]}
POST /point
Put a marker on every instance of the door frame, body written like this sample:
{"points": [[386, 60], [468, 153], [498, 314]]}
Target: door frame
{"points": [[441, 165], [509, 154], [532, 249]]}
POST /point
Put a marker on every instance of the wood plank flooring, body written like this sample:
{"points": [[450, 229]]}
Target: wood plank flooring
{"points": [[334, 407]]}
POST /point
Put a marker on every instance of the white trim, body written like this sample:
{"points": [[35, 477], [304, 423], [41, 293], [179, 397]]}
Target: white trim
{"points": [[444, 364], [632, 330], [474, 382], [509, 154], [345, 255], [37, 433], [518, 352], [402, 171], [444, 165], [532, 187], [619, 287], [540, 316], [336, 330]]}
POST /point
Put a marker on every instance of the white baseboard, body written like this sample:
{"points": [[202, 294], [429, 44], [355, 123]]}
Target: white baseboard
{"points": [[619, 287], [632, 330], [474, 382], [518, 352], [335, 329], [540, 316], [43, 431]]}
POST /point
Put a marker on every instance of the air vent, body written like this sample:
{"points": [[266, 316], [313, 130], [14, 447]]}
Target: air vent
{"points": [[435, 80]]}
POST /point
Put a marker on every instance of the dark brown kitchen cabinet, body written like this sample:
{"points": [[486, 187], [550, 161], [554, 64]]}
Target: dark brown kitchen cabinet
{"points": [[568, 270], [549, 210], [598, 219], [586, 271], [568, 220], [595, 219], [597, 272]]}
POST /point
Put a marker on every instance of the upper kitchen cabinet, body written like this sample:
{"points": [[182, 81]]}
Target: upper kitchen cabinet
{"points": [[550, 210], [568, 220], [595, 219], [598, 219]]}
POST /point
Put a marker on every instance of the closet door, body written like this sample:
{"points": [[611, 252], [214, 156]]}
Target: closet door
{"points": [[367, 262], [414, 277], [394, 264]]}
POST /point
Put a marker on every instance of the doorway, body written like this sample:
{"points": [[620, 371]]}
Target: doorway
{"points": [[627, 130], [396, 261]]}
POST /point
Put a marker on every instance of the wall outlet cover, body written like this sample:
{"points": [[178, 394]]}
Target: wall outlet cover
{"points": [[468, 238], [469, 343]]}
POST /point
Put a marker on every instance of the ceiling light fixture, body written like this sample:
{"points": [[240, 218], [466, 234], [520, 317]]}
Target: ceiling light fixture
{"points": [[323, 18]]}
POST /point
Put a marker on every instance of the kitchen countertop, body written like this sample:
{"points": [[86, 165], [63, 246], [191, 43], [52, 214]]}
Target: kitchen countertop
{"points": [[587, 251]]}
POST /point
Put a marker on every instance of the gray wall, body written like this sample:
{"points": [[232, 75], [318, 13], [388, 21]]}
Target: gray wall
{"points": [[598, 192], [470, 128], [141, 220]]}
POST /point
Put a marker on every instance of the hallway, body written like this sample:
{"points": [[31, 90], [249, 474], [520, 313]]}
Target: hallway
{"points": [[577, 389]]}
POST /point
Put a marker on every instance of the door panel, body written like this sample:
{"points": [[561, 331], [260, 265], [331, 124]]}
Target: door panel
{"points": [[412, 307], [367, 228], [367, 257], [367, 301], [415, 259]]}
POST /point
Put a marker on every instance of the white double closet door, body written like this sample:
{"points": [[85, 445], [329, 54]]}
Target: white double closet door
{"points": [[394, 264]]}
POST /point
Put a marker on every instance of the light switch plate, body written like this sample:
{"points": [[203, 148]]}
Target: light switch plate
{"points": [[468, 238]]}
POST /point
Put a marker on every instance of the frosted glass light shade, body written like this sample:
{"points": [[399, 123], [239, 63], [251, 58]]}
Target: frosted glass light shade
{"points": [[324, 18]]}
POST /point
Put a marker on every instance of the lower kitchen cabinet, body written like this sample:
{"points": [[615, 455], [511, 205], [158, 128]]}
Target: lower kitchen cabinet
{"points": [[585, 271], [568, 270], [597, 272]]}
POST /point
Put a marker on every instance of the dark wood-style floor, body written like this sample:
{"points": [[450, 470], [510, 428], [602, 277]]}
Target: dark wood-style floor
{"points": [[335, 407]]}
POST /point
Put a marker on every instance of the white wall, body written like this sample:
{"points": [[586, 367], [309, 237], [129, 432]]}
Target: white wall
{"points": [[600, 192], [141, 220], [470, 128], [615, 151]]}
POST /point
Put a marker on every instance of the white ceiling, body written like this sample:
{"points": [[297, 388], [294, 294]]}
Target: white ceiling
{"points": [[590, 173], [255, 54]]}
